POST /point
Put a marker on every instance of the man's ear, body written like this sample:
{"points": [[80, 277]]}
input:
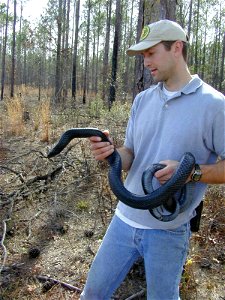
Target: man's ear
{"points": [[177, 48]]}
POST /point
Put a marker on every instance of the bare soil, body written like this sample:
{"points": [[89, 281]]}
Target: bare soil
{"points": [[54, 214]]}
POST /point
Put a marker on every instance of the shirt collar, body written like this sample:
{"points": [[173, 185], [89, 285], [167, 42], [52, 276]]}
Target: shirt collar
{"points": [[189, 88]]}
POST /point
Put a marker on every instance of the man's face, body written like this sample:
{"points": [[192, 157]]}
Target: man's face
{"points": [[160, 62]]}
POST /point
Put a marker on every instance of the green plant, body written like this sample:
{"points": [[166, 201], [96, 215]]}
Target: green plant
{"points": [[82, 205], [188, 283], [96, 108]]}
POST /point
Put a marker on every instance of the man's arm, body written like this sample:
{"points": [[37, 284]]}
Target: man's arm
{"points": [[127, 157], [211, 174]]}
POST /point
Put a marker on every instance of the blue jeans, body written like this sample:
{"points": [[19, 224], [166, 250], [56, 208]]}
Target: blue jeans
{"points": [[164, 253]]}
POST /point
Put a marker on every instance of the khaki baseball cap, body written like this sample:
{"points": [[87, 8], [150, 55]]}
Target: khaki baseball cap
{"points": [[152, 34]]}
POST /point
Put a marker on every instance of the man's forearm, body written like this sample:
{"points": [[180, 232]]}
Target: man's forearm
{"points": [[213, 174], [126, 157]]}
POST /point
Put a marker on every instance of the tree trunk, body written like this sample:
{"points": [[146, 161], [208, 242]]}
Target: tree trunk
{"points": [[13, 52], [97, 53], [196, 40], [190, 19], [139, 63], [217, 49], [222, 81], [149, 12], [167, 10], [4, 52], [58, 87], [116, 44], [106, 51], [74, 71], [93, 62], [204, 53], [127, 59], [25, 64], [86, 53], [19, 49]]}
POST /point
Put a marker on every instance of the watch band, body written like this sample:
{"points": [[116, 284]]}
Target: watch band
{"points": [[197, 174]]}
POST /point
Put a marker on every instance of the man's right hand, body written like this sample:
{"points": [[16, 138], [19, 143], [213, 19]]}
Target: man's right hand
{"points": [[101, 149]]}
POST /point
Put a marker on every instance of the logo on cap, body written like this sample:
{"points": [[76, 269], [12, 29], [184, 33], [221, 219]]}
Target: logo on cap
{"points": [[145, 32]]}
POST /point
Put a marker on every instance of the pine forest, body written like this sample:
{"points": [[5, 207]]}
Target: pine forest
{"points": [[80, 46]]}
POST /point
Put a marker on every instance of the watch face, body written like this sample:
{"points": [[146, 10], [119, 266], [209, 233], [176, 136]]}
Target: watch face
{"points": [[196, 176]]}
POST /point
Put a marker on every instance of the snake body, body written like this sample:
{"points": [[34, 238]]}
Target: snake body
{"points": [[152, 198]]}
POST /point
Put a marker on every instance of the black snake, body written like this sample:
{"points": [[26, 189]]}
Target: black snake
{"points": [[163, 196]]}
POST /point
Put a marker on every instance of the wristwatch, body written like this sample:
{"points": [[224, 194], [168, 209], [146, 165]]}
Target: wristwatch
{"points": [[197, 174]]}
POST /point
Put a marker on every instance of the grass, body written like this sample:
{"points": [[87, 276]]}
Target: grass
{"points": [[17, 117], [45, 119], [14, 122], [82, 205]]}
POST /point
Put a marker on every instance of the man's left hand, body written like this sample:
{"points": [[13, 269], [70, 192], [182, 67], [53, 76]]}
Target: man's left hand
{"points": [[166, 173]]}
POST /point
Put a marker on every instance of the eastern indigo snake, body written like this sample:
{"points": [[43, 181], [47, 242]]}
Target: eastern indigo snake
{"points": [[160, 197]]}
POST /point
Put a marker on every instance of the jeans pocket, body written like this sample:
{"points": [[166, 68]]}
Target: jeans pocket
{"points": [[183, 229]]}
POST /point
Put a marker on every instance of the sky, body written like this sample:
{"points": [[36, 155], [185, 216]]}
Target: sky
{"points": [[33, 9]]}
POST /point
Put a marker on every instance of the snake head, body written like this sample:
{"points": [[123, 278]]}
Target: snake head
{"points": [[72, 133]]}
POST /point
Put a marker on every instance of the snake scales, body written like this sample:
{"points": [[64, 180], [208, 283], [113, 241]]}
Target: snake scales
{"points": [[163, 196]]}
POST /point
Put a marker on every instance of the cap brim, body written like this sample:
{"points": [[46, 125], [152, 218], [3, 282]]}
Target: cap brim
{"points": [[140, 47]]}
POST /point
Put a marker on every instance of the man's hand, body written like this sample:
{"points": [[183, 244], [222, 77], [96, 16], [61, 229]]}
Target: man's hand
{"points": [[166, 173], [101, 149]]}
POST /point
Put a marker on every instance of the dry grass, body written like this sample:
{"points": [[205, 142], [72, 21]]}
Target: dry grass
{"points": [[45, 119], [14, 122], [16, 118]]}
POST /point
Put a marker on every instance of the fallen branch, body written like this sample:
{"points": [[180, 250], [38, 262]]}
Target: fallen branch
{"points": [[4, 200], [56, 281], [50, 175], [30, 223], [3, 246], [14, 172], [12, 268], [138, 294], [4, 224], [13, 195], [26, 154]]}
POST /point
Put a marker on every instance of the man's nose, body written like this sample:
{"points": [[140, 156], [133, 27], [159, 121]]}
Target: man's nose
{"points": [[147, 62]]}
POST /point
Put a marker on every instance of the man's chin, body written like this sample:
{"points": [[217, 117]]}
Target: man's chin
{"points": [[155, 79]]}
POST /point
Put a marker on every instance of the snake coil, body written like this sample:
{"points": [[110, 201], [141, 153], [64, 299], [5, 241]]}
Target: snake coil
{"points": [[163, 196]]}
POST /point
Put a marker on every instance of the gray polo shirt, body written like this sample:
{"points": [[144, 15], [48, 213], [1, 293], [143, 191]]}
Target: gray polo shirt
{"points": [[193, 120]]}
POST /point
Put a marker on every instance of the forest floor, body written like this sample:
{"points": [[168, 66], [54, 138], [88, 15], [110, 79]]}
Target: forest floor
{"points": [[54, 213]]}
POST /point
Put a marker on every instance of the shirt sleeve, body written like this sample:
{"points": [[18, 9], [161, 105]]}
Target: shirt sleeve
{"points": [[218, 134]]}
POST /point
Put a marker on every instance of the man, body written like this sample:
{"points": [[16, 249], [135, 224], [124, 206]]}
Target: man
{"points": [[180, 114]]}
